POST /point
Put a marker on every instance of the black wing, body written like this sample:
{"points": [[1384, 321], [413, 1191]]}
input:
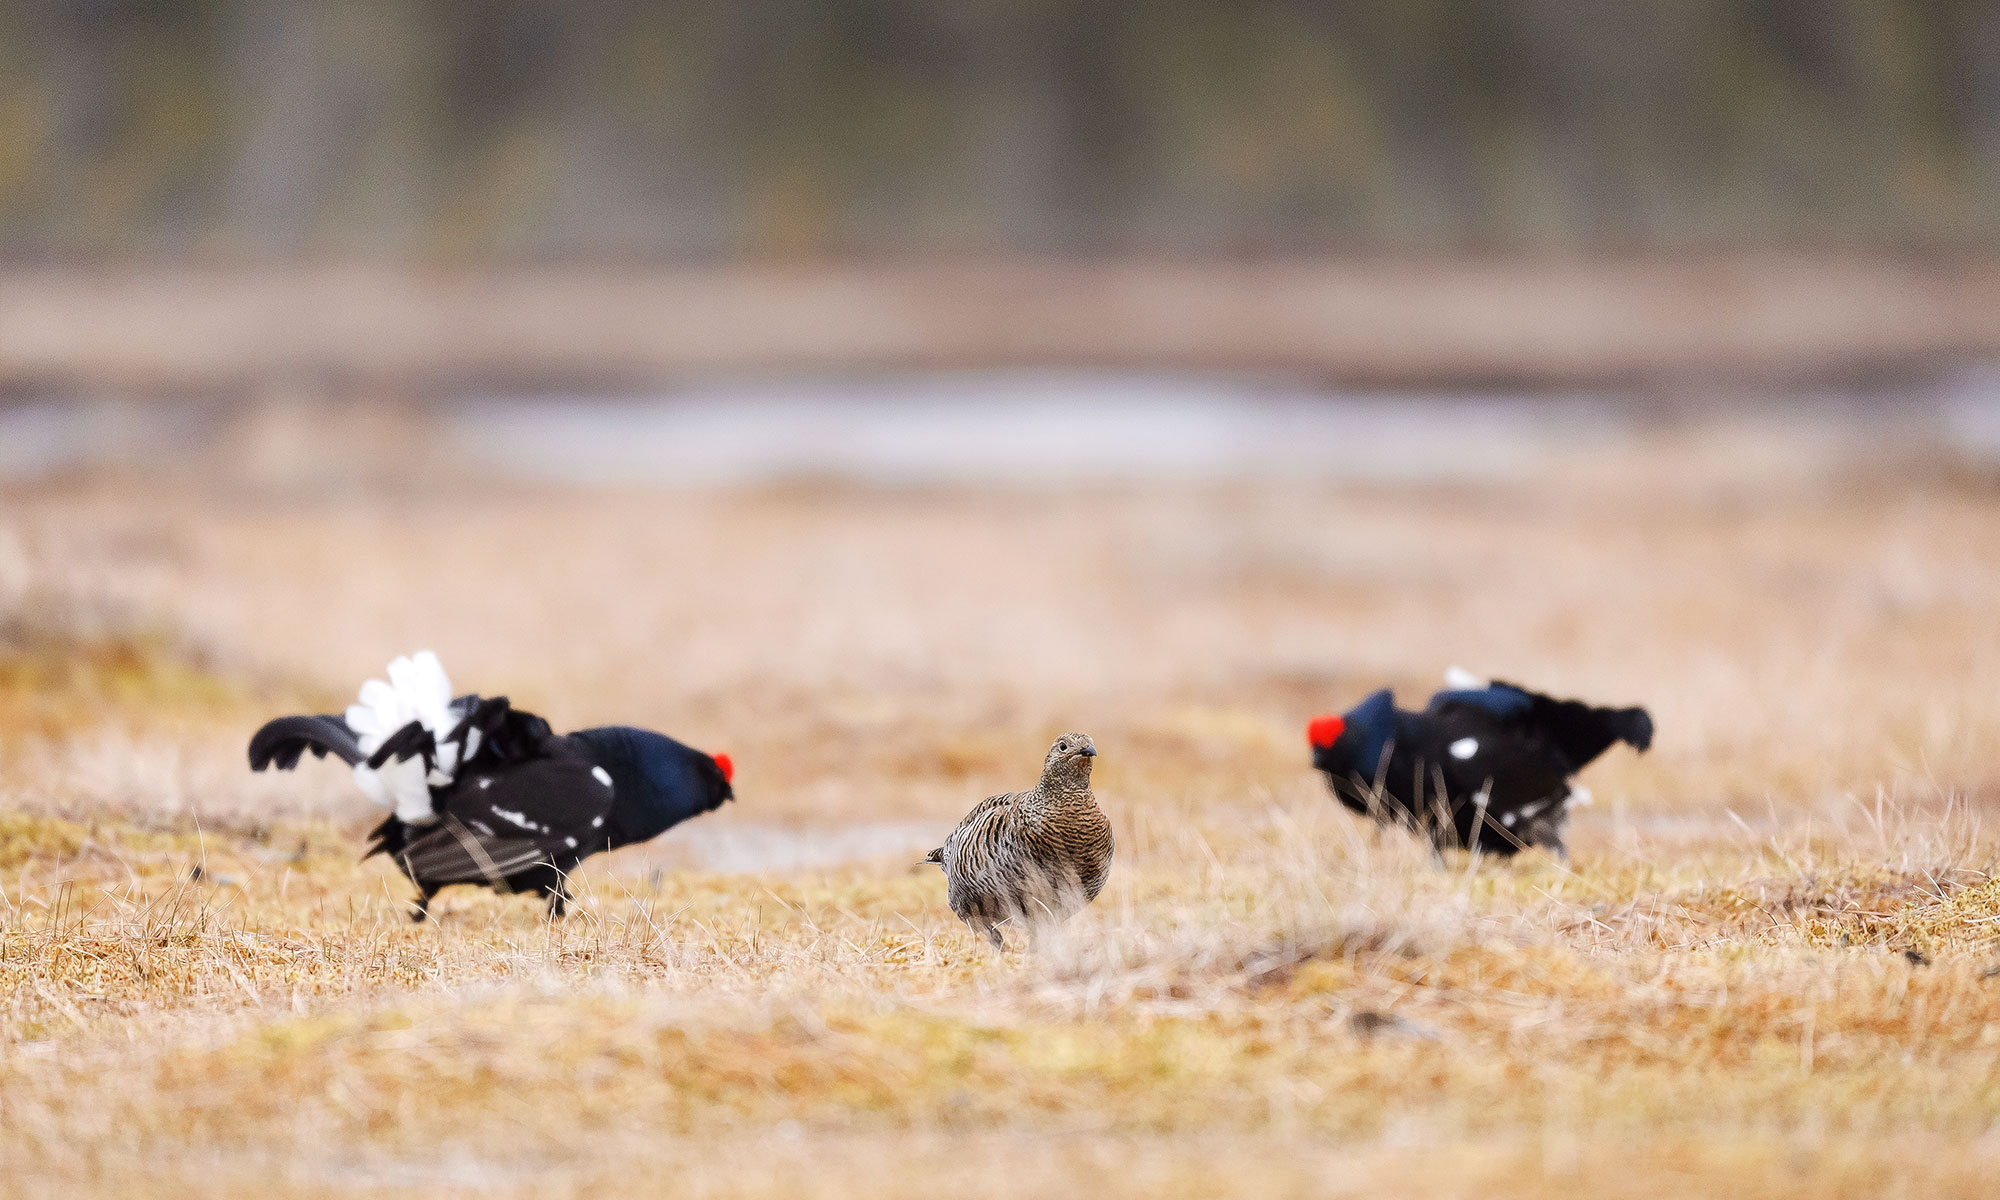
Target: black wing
{"points": [[1508, 758], [506, 734], [501, 818], [280, 743]]}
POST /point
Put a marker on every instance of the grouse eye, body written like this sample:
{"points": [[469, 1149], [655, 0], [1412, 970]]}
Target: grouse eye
{"points": [[1062, 746]]}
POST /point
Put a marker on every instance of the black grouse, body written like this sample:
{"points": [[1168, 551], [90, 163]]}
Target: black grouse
{"points": [[1485, 766], [486, 794]]}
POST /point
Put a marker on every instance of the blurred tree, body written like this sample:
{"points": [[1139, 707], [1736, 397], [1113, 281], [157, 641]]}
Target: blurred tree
{"points": [[699, 128]]}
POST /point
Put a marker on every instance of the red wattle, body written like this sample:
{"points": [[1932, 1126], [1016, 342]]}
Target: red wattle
{"points": [[727, 768], [1325, 731]]}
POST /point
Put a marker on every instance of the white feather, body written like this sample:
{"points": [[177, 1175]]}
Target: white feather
{"points": [[1579, 797], [1459, 679], [519, 820], [371, 785], [417, 690], [402, 786], [1464, 747]]}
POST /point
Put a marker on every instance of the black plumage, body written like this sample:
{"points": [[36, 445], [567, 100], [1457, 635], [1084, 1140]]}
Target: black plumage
{"points": [[525, 805], [1486, 768]]}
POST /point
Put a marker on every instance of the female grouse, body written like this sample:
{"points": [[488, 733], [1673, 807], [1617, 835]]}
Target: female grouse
{"points": [[1030, 857]]}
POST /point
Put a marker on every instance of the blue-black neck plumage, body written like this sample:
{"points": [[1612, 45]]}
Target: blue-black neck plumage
{"points": [[658, 781], [1358, 752]]}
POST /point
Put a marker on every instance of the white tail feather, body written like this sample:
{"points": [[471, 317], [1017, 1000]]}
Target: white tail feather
{"points": [[417, 690], [1459, 679], [398, 785]]}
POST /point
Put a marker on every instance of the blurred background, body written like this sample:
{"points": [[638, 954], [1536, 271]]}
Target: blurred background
{"points": [[230, 222], [872, 390], [906, 367], [619, 133]]}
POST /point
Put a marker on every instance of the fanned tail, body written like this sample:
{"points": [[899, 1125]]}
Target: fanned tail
{"points": [[1458, 679], [401, 726], [401, 737], [1584, 731], [1635, 727], [417, 691]]}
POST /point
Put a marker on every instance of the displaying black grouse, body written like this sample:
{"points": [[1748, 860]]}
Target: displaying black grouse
{"points": [[489, 795], [1485, 766]]}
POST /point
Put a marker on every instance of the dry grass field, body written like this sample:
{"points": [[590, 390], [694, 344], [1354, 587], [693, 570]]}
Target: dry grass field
{"points": [[1769, 970]]}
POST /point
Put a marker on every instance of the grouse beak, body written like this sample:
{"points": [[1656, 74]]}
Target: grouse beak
{"points": [[1088, 752]]}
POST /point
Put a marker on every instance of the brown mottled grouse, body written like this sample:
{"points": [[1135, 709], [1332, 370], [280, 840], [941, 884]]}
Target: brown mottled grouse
{"points": [[1030, 857]]}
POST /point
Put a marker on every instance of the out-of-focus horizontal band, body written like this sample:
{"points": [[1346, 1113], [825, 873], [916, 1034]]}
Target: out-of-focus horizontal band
{"points": [[1378, 322]]}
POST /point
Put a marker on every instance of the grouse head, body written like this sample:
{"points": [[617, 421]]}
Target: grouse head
{"points": [[1353, 744], [1070, 759], [658, 781]]}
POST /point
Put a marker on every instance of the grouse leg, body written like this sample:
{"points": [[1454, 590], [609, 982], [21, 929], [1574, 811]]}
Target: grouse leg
{"points": [[558, 902], [422, 911]]}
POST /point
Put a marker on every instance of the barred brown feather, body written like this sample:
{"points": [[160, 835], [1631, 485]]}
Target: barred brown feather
{"points": [[1031, 857]]}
